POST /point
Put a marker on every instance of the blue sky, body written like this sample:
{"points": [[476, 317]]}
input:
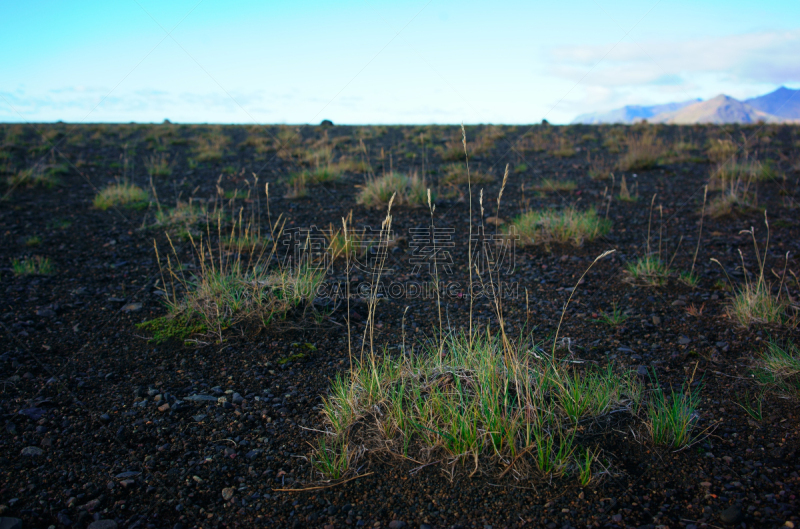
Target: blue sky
{"points": [[362, 62]]}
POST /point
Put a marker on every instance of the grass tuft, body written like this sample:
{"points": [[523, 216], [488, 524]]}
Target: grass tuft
{"points": [[560, 226], [35, 266], [779, 369], [410, 190], [644, 151], [672, 418], [122, 194]]}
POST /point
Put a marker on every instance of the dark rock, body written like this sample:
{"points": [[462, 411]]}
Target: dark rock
{"points": [[10, 523], [32, 451], [684, 340], [33, 414], [396, 524], [732, 515], [103, 524]]}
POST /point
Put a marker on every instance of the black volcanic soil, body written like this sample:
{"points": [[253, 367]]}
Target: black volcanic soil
{"points": [[84, 439]]}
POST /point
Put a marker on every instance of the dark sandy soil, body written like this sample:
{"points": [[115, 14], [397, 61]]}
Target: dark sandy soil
{"points": [[86, 434]]}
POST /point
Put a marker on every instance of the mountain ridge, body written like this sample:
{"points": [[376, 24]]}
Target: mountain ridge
{"points": [[780, 106]]}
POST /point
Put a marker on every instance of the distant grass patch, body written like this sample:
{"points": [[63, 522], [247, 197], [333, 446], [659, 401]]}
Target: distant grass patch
{"points": [[122, 194], [552, 185], [410, 190], [456, 174], [560, 226], [38, 176], [39, 266], [565, 149], [645, 151]]}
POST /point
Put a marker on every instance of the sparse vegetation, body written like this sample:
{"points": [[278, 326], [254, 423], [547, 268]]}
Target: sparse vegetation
{"points": [[754, 301], [552, 185], [468, 402], [672, 418], [778, 369], [122, 194], [38, 265], [560, 226], [614, 318], [645, 150], [408, 190], [456, 174], [565, 148]]}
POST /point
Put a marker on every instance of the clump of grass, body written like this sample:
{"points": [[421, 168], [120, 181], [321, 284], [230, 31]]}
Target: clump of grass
{"points": [[644, 151], [648, 270], [456, 174], [672, 418], [33, 240], [211, 146], [754, 302], [37, 176], [614, 140], [332, 462], [410, 190], [615, 318], [625, 193], [689, 278], [778, 369], [600, 170], [721, 151], [565, 148], [183, 214], [35, 266], [470, 398], [167, 328], [350, 245], [552, 185], [122, 194], [560, 226], [158, 165]]}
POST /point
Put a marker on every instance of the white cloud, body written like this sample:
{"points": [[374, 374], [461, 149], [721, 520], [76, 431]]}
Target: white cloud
{"points": [[765, 57]]}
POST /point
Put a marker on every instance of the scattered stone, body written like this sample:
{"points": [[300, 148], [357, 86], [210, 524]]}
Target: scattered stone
{"points": [[684, 340], [732, 515], [252, 454], [678, 303], [128, 474], [32, 451], [131, 307], [46, 313], [164, 408], [227, 493], [201, 398], [103, 524], [10, 523], [396, 524], [236, 398], [33, 414], [199, 417]]}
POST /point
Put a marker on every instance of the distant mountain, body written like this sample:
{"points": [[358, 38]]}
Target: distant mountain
{"points": [[780, 106], [783, 102], [630, 114], [721, 109]]}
